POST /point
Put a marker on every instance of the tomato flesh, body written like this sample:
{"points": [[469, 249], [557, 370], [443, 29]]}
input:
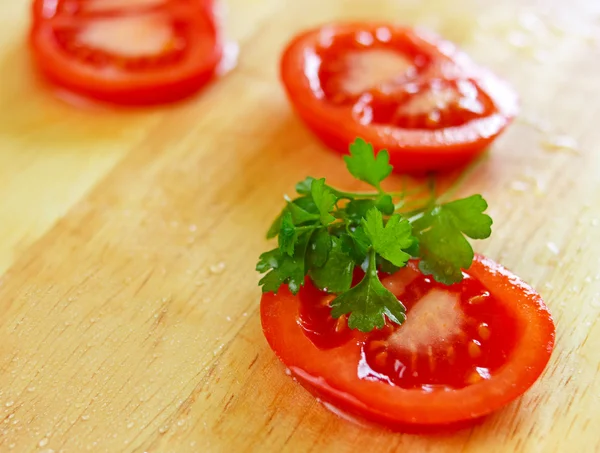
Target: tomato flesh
{"points": [[132, 43], [464, 351], [460, 335], [400, 89], [136, 52]]}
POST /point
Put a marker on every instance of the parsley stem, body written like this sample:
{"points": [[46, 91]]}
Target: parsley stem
{"points": [[309, 227], [372, 268], [355, 195]]}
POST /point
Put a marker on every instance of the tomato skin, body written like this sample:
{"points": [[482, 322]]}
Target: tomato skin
{"points": [[332, 374], [411, 150], [154, 86]]}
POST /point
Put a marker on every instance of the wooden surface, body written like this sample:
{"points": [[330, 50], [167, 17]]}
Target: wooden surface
{"points": [[128, 240]]}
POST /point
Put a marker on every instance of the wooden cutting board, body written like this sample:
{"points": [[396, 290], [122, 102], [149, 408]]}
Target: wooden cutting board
{"points": [[128, 241]]}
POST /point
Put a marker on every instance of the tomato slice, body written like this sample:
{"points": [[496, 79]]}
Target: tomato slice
{"points": [[465, 350], [127, 52], [401, 89]]}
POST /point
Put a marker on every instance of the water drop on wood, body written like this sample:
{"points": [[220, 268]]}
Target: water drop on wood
{"points": [[217, 268]]}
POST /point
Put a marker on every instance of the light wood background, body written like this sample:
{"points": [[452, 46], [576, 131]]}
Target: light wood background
{"points": [[128, 240]]}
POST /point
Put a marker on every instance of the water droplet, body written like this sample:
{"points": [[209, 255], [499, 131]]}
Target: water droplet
{"points": [[553, 248], [228, 318], [199, 283], [561, 143], [9, 403], [193, 228], [588, 279], [536, 123], [288, 372], [517, 39], [163, 429], [483, 372], [181, 422], [217, 268], [85, 417], [11, 446], [548, 285], [130, 425], [31, 389], [595, 222], [519, 186], [42, 443]]}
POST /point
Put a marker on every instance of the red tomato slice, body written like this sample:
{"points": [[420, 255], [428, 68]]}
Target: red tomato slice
{"points": [[134, 52], [398, 88], [465, 350]]}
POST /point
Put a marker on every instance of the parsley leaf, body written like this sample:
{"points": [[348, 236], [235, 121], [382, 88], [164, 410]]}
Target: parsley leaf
{"points": [[368, 302], [324, 199], [389, 241], [361, 243], [299, 214], [276, 225], [283, 268], [287, 234], [442, 246], [467, 215], [385, 204], [304, 186], [303, 210], [356, 210], [364, 165], [319, 248], [335, 275]]}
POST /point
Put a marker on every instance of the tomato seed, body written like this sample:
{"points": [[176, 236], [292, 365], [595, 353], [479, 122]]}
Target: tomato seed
{"points": [[474, 349], [381, 358], [476, 300], [484, 331], [473, 378], [340, 324]]}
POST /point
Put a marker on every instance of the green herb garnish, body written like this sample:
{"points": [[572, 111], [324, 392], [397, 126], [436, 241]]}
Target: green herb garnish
{"points": [[325, 233]]}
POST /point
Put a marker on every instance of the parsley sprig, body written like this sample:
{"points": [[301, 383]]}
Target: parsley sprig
{"points": [[325, 233]]}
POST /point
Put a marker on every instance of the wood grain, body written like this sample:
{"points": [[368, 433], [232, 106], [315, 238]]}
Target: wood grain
{"points": [[130, 305]]}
